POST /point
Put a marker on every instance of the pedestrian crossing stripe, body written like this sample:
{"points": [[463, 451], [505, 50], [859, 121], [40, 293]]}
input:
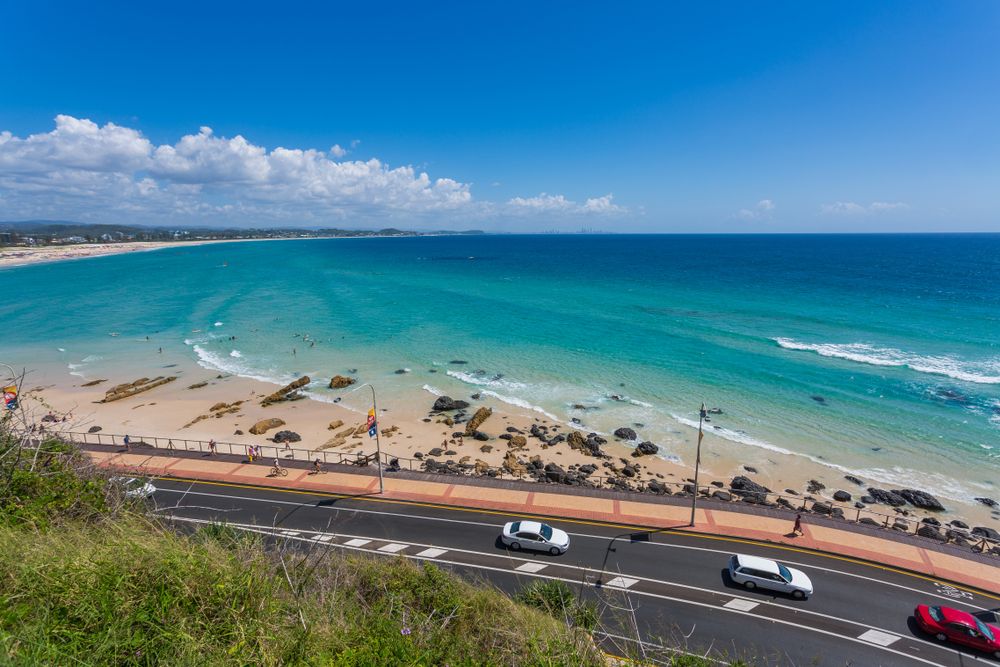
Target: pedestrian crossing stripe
{"points": [[621, 582], [393, 547], [357, 542], [531, 567]]}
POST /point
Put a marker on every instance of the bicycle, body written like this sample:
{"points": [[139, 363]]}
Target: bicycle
{"points": [[278, 471]]}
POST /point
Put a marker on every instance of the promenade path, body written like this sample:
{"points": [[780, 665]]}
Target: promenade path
{"points": [[849, 541]]}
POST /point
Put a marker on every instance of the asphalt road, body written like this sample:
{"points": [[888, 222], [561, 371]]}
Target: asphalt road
{"points": [[675, 584]]}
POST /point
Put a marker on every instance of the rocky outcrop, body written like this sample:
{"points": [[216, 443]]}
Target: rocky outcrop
{"points": [[287, 436], [198, 385], [748, 489], [852, 478], [341, 381], [842, 496], [518, 442], [92, 383], [989, 502], [482, 414], [645, 449], [921, 499], [513, 466], [94, 429], [335, 424], [984, 531], [625, 433], [286, 392], [815, 486], [591, 444], [265, 425], [118, 392], [886, 497], [447, 403]]}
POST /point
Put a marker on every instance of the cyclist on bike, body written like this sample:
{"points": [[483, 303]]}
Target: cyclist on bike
{"points": [[277, 466]]}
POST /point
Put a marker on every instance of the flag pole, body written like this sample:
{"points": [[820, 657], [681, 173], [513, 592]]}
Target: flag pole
{"points": [[378, 444], [697, 464]]}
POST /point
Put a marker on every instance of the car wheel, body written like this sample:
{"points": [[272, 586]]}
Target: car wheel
{"points": [[554, 551], [798, 595], [940, 636], [514, 546], [749, 585], [996, 654]]}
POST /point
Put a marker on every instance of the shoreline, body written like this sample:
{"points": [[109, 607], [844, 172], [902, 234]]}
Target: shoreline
{"points": [[183, 408]]}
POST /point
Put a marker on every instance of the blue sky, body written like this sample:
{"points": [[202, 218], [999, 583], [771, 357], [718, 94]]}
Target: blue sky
{"points": [[523, 116]]}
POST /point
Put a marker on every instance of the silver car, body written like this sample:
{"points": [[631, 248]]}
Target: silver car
{"points": [[755, 572], [133, 487], [534, 536]]}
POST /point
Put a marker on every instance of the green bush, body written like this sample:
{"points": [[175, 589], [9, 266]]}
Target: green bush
{"points": [[557, 599]]}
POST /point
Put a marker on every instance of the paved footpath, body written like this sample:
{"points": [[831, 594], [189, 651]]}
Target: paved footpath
{"points": [[877, 545]]}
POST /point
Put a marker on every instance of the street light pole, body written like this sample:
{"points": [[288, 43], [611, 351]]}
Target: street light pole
{"points": [[378, 444], [697, 463]]}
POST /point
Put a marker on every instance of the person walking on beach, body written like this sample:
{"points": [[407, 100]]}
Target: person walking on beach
{"points": [[170, 444], [128, 443], [250, 453], [797, 528], [211, 447]]}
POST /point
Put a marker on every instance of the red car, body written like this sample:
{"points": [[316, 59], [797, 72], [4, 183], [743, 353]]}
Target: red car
{"points": [[947, 624]]}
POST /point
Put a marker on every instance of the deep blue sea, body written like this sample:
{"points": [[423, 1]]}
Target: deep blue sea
{"points": [[878, 355]]}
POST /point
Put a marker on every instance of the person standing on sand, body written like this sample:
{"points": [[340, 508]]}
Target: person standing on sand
{"points": [[797, 528], [211, 447], [128, 443], [170, 444]]}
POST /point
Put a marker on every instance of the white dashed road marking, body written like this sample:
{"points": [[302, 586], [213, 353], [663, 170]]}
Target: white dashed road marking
{"points": [[357, 542], [322, 538], [432, 553], [741, 604], [393, 548], [621, 582], [531, 567], [290, 533], [878, 637]]}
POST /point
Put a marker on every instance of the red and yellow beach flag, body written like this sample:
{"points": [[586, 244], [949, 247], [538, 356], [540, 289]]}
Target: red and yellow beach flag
{"points": [[372, 425], [10, 397]]}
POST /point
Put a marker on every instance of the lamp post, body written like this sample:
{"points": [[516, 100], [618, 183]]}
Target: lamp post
{"points": [[378, 444], [697, 463]]}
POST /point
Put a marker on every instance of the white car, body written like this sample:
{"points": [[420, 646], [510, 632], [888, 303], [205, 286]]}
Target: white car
{"points": [[755, 572], [134, 488], [534, 536]]}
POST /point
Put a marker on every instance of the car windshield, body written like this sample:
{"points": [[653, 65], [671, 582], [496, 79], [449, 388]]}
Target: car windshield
{"points": [[935, 613], [985, 630], [786, 574], [546, 532], [516, 526]]}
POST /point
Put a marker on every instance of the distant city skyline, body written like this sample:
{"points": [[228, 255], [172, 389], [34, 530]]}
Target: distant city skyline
{"points": [[648, 117]]}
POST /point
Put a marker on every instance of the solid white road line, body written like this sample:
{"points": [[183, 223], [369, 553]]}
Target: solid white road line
{"points": [[706, 605], [604, 538]]}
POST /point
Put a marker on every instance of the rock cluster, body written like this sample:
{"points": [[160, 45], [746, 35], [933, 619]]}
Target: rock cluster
{"points": [[287, 393], [447, 403], [341, 381], [482, 414], [287, 436], [128, 389], [265, 425]]}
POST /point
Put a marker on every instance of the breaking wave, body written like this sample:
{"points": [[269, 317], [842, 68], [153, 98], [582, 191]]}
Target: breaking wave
{"points": [[986, 372], [521, 403]]}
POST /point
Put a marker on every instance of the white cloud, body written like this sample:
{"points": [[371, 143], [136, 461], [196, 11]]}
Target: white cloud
{"points": [[91, 172], [762, 209], [546, 203], [849, 208]]}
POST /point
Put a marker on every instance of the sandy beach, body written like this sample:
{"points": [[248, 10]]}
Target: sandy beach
{"points": [[22, 256], [204, 405]]}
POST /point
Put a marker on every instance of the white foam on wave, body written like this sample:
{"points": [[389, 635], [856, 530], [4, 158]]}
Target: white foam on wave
{"points": [[985, 372], [217, 324], [236, 354], [216, 362], [434, 391], [521, 403], [485, 380], [61, 349], [935, 483], [89, 359]]}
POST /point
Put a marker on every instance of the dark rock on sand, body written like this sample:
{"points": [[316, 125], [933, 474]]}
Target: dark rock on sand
{"points": [[287, 436], [587, 469], [989, 502], [747, 488], [886, 497], [852, 478], [983, 531], [446, 403], [341, 381], [625, 433], [722, 495], [437, 451], [958, 523], [818, 399], [842, 496], [868, 521], [815, 486], [750, 469], [645, 449], [93, 429], [869, 500], [458, 361], [479, 435], [921, 499], [931, 531]]}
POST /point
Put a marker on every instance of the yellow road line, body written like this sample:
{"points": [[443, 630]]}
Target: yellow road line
{"points": [[603, 524]]}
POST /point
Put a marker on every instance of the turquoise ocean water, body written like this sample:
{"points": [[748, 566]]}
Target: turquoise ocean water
{"points": [[877, 355]]}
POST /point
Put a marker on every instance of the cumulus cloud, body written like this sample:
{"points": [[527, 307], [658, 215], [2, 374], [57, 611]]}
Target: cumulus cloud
{"points": [[849, 208], [559, 204], [92, 172], [762, 209]]}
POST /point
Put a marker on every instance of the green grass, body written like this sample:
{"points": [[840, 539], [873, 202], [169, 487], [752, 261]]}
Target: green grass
{"points": [[129, 593]]}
